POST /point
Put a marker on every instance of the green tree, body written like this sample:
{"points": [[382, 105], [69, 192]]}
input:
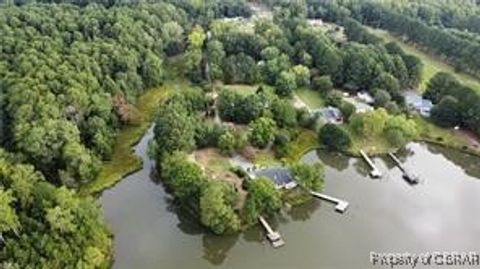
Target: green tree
{"points": [[310, 177], [284, 113], [447, 113], [152, 70], [285, 84], [227, 143], [399, 130], [334, 98], [369, 123], [216, 208], [185, 178], [262, 132], [334, 137], [263, 198], [302, 75], [381, 97], [216, 56], [322, 84], [174, 130], [347, 109], [9, 219], [440, 85], [387, 82], [196, 37]]}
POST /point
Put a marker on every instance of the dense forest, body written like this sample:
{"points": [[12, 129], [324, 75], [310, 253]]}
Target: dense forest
{"points": [[68, 77], [70, 72], [456, 48]]}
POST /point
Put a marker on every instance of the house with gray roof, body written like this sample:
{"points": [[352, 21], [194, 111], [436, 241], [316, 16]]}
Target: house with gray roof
{"points": [[282, 177]]}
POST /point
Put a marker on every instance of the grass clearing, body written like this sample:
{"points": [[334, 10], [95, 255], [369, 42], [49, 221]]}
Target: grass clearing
{"points": [[311, 98], [372, 145], [447, 137], [124, 161], [428, 132], [432, 64], [307, 140], [266, 158], [241, 88]]}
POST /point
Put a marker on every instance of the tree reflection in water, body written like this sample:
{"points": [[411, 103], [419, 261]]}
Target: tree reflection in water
{"points": [[216, 248]]}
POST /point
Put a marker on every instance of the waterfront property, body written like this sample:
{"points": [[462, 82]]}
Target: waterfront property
{"points": [[281, 176]]}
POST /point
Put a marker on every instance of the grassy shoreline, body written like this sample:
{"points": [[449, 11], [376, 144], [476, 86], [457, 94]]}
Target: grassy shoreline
{"points": [[124, 161]]}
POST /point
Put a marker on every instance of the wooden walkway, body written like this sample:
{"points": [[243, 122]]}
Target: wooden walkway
{"points": [[375, 173], [340, 205], [274, 237], [407, 175]]}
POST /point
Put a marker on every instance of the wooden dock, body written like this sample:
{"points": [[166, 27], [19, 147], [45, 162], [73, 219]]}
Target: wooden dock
{"points": [[340, 205], [274, 237], [374, 173], [407, 175]]}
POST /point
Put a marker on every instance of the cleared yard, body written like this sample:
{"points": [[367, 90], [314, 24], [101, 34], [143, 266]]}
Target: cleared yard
{"points": [[311, 98]]}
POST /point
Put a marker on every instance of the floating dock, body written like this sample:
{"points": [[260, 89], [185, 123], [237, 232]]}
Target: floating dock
{"points": [[340, 205], [374, 173], [274, 237], [407, 175]]}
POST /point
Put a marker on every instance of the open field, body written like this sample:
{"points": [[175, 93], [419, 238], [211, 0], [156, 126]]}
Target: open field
{"points": [[432, 63]]}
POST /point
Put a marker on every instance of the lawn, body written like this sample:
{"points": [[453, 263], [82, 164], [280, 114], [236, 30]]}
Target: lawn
{"points": [[242, 89], [427, 132], [432, 63], [124, 161], [448, 137], [311, 98], [372, 145]]}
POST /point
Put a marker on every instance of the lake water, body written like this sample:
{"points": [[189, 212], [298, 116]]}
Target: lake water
{"points": [[385, 215]]}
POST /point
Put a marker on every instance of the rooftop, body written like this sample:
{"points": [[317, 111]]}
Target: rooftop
{"points": [[330, 114], [279, 175], [416, 101]]}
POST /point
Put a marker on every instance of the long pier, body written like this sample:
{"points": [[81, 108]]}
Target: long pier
{"points": [[375, 173], [274, 237], [409, 176], [340, 205]]}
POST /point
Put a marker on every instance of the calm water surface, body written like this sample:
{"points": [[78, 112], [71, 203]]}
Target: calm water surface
{"points": [[385, 215]]}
